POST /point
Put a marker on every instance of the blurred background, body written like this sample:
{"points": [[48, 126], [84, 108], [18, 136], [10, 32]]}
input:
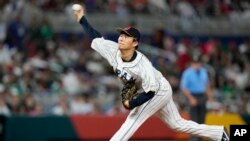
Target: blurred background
{"points": [[48, 70]]}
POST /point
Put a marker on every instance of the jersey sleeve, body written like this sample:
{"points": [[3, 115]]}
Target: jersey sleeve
{"points": [[105, 48], [148, 76]]}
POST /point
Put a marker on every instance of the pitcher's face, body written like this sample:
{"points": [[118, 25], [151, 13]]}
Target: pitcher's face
{"points": [[126, 42]]}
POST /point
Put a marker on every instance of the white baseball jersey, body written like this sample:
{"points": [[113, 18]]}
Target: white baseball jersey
{"points": [[146, 76], [162, 104]]}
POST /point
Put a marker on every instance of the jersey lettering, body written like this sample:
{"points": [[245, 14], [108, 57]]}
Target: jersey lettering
{"points": [[125, 76]]}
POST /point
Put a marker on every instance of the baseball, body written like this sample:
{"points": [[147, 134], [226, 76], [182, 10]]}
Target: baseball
{"points": [[76, 7]]}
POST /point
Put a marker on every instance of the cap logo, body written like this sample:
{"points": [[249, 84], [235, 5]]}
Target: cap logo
{"points": [[131, 31], [127, 28]]}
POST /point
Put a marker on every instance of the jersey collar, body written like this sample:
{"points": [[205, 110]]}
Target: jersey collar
{"points": [[128, 64]]}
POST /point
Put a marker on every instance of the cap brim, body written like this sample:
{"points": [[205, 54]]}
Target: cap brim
{"points": [[120, 30]]}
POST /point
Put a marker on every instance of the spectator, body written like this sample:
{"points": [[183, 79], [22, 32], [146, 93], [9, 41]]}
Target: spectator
{"points": [[62, 107], [16, 33], [4, 110], [82, 104]]}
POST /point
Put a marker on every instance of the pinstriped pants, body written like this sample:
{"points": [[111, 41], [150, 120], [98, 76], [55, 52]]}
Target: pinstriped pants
{"points": [[163, 105]]}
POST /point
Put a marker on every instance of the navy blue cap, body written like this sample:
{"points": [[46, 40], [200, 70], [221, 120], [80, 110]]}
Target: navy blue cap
{"points": [[130, 31]]}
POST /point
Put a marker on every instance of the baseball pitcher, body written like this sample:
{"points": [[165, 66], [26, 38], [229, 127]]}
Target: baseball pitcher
{"points": [[146, 92]]}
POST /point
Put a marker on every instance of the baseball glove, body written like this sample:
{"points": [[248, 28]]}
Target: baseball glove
{"points": [[129, 91]]}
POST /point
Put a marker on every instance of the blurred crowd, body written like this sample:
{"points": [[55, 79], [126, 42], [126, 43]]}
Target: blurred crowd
{"points": [[46, 72], [188, 8]]}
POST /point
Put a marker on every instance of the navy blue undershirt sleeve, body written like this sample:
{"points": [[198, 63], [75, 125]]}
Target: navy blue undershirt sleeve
{"points": [[92, 33], [142, 98]]}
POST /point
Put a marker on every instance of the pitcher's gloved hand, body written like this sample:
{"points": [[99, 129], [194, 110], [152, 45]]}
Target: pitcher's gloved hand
{"points": [[129, 91]]}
